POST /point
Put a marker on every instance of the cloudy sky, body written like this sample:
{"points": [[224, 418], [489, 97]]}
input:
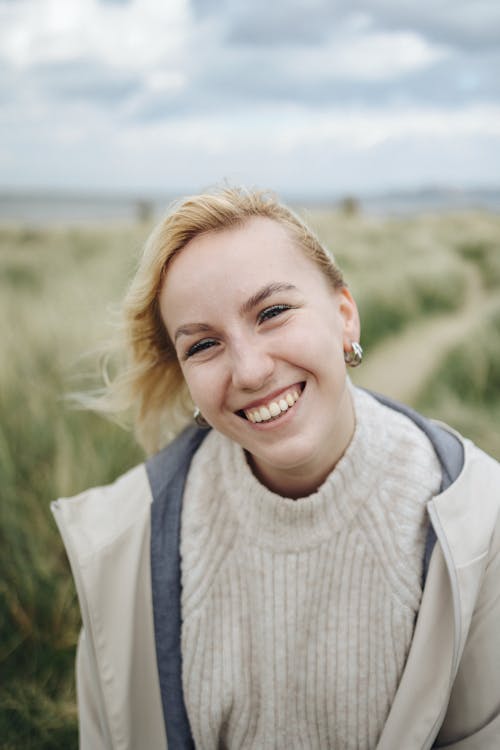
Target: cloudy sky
{"points": [[307, 97]]}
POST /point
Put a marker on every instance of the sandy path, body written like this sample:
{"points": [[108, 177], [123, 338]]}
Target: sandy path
{"points": [[401, 365]]}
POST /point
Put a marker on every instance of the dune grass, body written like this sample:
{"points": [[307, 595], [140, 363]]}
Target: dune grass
{"points": [[402, 269], [465, 389], [56, 290], [55, 287], [485, 254]]}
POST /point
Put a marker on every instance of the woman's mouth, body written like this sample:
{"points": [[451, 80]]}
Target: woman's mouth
{"points": [[275, 407]]}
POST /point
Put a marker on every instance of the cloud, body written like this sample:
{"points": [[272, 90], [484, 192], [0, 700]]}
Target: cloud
{"points": [[369, 56], [137, 35], [289, 129], [84, 80], [287, 149], [463, 24], [106, 86], [359, 152], [167, 58]]}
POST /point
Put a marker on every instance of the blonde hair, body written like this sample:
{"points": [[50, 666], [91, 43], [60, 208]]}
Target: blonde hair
{"points": [[149, 386]]}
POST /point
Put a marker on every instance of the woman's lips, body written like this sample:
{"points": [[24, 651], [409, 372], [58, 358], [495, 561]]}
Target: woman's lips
{"points": [[273, 407]]}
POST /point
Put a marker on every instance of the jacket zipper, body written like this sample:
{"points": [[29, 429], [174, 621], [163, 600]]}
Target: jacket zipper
{"points": [[457, 635], [84, 613]]}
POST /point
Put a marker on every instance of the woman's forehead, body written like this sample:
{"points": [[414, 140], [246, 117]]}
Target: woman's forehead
{"points": [[255, 247], [221, 271]]}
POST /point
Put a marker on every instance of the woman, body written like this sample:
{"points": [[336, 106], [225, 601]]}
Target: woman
{"points": [[338, 554]]}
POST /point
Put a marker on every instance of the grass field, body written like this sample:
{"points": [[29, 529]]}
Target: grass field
{"points": [[412, 278]]}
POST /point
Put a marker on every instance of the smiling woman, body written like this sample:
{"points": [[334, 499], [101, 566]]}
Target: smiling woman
{"points": [[320, 533]]}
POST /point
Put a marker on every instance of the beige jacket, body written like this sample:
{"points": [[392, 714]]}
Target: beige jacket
{"points": [[449, 694]]}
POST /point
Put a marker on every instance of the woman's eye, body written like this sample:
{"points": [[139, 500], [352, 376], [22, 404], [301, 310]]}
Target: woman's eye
{"points": [[200, 346], [272, 312]]}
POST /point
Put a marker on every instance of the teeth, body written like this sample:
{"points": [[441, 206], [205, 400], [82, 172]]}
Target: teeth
{"points": [[273, 409], [265, 414]]}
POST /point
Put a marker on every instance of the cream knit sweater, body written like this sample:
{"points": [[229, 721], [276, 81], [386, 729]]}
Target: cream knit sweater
{"points": [[298, 614]]}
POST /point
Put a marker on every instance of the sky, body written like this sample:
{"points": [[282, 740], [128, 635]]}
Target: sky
{"points": [[307, 97]]}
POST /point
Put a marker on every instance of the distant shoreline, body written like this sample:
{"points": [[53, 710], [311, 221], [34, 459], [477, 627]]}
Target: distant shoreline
{"points": [[43, 208]]}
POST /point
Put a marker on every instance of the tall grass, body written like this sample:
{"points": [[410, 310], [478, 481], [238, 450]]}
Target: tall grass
{"points": [[56, 287], [402, 269], [387, 307], [465, 388], [486, 255]]}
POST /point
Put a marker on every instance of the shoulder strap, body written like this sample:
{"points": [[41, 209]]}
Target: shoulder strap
{"points": [[167, 472], [448, 449]]}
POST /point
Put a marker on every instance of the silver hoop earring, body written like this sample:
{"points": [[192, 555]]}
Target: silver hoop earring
{"points": [[200, 419], [355, 356]]}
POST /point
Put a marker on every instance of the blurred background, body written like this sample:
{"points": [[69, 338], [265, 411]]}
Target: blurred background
{"points": [[379, 122]]}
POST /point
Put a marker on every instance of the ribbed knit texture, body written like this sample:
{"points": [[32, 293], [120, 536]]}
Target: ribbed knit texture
{"points": [[298, 614]]}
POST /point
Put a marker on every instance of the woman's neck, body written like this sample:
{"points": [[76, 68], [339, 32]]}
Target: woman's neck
{"points": [[306, 478]]}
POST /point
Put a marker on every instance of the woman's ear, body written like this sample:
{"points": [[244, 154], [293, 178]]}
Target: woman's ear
{"points": [[350, 317]]}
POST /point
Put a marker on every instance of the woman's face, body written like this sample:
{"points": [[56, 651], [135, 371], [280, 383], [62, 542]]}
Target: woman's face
{"points": [[260, 335]]}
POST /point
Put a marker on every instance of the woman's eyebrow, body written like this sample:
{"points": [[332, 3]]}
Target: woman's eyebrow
{"points": [[190, 329], [264, 293]]}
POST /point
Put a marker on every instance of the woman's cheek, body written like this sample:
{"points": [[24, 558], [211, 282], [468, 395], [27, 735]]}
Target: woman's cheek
{"points": [[204, 382]]}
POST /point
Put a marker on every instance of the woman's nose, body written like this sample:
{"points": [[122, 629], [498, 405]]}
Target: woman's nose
{"points": [[252, 367]]}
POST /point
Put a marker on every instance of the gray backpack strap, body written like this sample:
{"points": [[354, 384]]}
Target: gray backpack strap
{"points": [[448, 449], [167, 472]]}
